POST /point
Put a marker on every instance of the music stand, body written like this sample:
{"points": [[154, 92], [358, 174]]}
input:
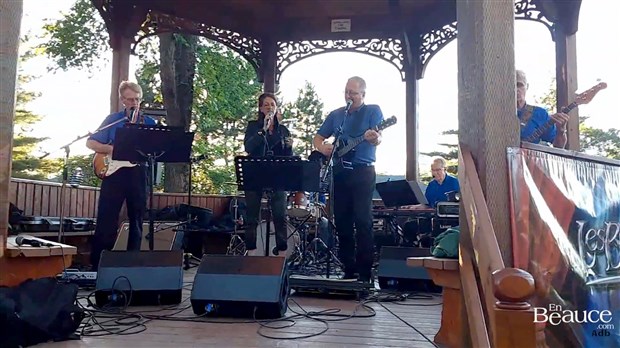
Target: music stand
{"points": [[397, 193], [151, 144], [274, 173]]}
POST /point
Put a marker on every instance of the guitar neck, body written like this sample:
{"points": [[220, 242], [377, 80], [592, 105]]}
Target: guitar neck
{"points": [[350, 145], [538, 132]]}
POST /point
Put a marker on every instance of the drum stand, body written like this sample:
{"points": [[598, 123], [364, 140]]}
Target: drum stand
{"points": [[236, 246], [309, 252]]}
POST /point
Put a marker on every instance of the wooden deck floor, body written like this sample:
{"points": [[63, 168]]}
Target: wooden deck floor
{"points": [[388, 327]]}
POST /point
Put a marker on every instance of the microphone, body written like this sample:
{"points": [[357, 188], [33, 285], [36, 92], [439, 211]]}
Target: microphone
{"points": [[32, 242], [134, 114], [268, 120], [349, 103]]}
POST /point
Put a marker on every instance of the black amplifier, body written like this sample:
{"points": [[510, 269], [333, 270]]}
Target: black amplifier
{"points": [[448, 209], [442, 224]]}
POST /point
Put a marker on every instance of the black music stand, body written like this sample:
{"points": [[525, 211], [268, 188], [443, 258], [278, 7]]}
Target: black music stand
{"points": [[141, 143], [274, 173], [397, 193]]}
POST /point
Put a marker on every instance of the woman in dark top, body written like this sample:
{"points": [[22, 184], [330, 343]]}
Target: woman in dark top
{"points": [[267, 137]]}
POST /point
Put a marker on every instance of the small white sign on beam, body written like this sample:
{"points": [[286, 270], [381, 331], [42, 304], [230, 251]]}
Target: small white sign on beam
{"points": [[341, 25]]}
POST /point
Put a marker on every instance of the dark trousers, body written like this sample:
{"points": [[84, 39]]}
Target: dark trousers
{"points": [[353, 191], [127, 184], [278, 209]]}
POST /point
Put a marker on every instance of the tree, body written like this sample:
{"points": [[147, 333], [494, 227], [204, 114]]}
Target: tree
{"points": [[225, 96], [79, 39], [592, 140], [307, 112], [24, 164]]}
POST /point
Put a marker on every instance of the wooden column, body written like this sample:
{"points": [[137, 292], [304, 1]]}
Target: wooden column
{"points": [[566, 80], [487, 120], [411, 122], [269, 56], [10, 23], [121, 49]]}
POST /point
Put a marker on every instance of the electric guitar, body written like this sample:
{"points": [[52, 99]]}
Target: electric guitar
{"points": [[104, 165], [345, 149], [580, 99]]}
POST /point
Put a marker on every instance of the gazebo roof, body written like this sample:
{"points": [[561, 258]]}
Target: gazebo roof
{"points": [[284, 20], [401, 32]]}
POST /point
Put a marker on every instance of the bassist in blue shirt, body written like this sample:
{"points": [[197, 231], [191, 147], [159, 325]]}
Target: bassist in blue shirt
{"points": [[354, 178], [536, 124]]}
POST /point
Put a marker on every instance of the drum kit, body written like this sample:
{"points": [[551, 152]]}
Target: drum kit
{"points": [[309, 230], [308, 215]]}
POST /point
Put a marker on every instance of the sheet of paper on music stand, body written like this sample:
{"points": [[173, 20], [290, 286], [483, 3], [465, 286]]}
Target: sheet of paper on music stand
{"points": [[399, 193]]}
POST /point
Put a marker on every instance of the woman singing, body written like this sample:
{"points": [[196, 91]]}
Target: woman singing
{"points": [[267, 137]]}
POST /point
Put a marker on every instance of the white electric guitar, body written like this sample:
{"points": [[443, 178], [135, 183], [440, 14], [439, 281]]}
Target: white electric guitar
{"points": [[104, 165]]}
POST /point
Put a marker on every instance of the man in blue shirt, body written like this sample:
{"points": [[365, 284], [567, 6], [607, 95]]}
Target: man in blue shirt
{"points": [[441, 184], [126, 184], [354, 185], [536, 124]]}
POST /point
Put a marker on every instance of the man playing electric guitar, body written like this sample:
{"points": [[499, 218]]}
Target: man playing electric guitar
{"points": [[353, 187], [535, 119], [126, 184]]}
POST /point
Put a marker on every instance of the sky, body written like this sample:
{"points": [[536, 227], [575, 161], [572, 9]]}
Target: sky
{"points": [[75, 102]]}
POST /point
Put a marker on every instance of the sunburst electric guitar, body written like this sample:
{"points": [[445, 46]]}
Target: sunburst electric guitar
{"points": [[580, 99], [104, 165]]}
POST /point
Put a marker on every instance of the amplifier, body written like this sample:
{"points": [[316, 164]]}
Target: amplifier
{"points": [[442, 224], [448, 209]]}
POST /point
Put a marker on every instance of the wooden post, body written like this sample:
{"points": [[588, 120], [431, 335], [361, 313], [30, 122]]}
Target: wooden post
{"points": [[566, 81], [121, 49], [514, 316], [411, 124], [10, 23], [269, 55], [487, 120]]}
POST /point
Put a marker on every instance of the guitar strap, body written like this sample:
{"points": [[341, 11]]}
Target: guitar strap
{"points": [[528, 110]]}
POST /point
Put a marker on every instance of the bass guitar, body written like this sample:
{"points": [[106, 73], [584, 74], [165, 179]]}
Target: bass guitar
{"points": [[580, 99], [104, 165], [345, 149]]}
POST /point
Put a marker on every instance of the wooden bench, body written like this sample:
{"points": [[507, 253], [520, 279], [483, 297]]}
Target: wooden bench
{"points": [[21, 262], [445, 273]]}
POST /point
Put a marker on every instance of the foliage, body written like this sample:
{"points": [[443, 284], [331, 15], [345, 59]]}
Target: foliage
{"points": [[78, 40], [451, 156], [307, 114], [592, 140], [604, 143], [24, 165], [225, 97]]}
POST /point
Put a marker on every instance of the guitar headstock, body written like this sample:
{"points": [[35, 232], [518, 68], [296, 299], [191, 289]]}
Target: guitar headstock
{"points": [[387, 123], [587, 96]]}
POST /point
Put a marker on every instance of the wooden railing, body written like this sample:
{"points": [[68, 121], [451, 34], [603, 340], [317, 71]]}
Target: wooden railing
{"points": [[495, 297], [42, 198]]}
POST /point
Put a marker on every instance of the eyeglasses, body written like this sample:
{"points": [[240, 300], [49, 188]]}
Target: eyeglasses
{"points": [[352, 93], [137, 100]]}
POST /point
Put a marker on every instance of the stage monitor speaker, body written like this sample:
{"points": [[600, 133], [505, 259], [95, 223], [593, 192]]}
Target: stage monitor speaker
{"points": [[393, 272], [241, 286], [139, 278], [168, 236]]}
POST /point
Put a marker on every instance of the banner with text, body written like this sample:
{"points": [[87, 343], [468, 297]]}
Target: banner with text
{"points": [[565, 220]]}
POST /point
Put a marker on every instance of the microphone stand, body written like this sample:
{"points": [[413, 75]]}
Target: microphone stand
{"points": [[330, 169]]}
